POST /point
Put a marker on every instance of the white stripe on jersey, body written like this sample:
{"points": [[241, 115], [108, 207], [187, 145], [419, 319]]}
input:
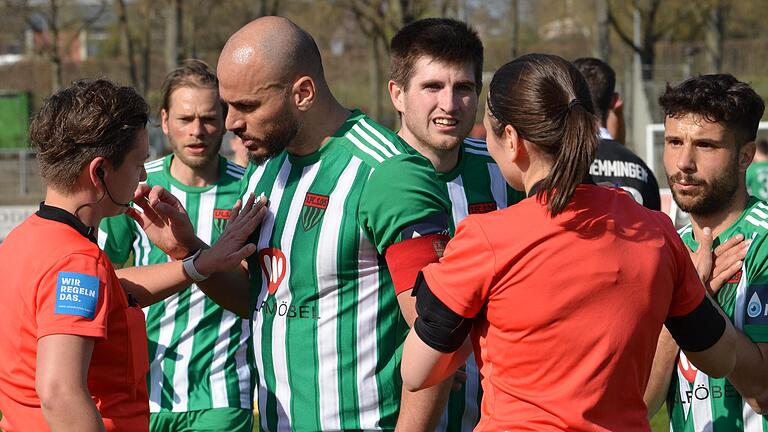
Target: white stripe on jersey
{"points": [[753, 422], [474, 142], [755, 222], [367, 150], [283, 295], [217, 378], [367, 315], [741, 298], [328, 299], [476, 151], [372, 141], [196, 308], [387, 142], [759, 213], [241, 363], [458, 199], [154, 164], [498, 186], [265, 232], [701, 410], [235, 167], [166, 325]]}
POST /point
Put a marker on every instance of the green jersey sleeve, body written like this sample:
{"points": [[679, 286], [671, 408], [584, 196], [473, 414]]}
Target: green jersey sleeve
{"points": [[116, 235], [756, 293], [401, 199]]}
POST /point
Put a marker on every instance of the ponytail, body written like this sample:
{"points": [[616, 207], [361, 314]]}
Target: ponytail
{"points": [[572, 159], [532, 93]]}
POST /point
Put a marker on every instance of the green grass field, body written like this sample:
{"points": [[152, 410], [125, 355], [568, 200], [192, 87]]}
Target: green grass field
{"points": [[660, 422]]}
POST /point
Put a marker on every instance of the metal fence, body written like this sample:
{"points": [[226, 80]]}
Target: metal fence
{"points": [[20, 182]]}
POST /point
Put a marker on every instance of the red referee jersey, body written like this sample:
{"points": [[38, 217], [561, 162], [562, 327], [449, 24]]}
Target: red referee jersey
{"points": [[569, 309], [57, 281]]}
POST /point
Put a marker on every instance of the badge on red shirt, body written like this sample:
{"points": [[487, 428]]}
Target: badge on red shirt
{"points": [[77, 294]]}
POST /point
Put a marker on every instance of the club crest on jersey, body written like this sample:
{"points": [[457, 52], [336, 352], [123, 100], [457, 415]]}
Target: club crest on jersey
{"points": [[274, 266], [686, 368], [481, 207], [220, 218], [313, 211]]}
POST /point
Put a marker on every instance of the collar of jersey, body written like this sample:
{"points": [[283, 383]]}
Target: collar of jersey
{"points": [[305, 160], [192, 189], [455, 171], [732, 230], [67, 218]]}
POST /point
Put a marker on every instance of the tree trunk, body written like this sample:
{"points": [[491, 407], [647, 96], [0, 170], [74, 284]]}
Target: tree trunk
{"points": [[146, 51], [376, 84], [127, 42], [602, 41], [55, 54], [715, 34], [173, 34]]}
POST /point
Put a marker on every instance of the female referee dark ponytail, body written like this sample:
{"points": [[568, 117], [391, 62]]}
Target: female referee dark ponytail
{"points": [[547, 101]]}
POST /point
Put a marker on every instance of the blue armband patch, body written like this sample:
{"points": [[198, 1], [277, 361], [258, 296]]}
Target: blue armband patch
{"points": [[77, 294], [757, 305]]}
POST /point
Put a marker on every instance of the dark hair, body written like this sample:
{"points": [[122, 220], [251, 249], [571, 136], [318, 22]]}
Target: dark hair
{"points": [[762, 145], [601, 80], [84, 121], [190, 73], [719, 98], [547, 101], [442, 39]]}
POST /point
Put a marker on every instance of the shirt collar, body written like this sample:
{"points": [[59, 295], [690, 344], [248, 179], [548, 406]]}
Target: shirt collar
{"points": [[604, 134], [60, 215]]}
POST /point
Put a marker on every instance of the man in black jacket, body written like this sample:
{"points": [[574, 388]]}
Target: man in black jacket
{"points": [[615, 164]]}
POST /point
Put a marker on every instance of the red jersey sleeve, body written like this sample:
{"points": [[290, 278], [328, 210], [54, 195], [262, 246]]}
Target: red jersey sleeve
{"points": [[688, 290], [463, 278], [72, 298]]}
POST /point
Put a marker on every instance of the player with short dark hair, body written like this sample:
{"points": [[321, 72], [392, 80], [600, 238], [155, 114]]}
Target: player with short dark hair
{"points": [[201, 366], [615, 165], [710, 128], [435, 81]]}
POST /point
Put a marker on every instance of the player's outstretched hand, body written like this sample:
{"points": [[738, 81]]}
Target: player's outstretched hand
{"points": [[715, 269], [233, 247], [164, 220]]}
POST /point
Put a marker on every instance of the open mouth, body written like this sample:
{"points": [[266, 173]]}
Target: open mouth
{"points": [[447, 122]]}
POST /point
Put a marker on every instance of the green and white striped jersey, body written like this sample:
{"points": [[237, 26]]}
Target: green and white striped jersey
{"points": [[201, 355], [697, 402], [327, 325], [475, 185]]}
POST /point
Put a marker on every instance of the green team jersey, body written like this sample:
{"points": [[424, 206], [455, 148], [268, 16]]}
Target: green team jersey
{"points": [[200, 355], [327, 326], [697, 402], [475, 185], [757, 180]]}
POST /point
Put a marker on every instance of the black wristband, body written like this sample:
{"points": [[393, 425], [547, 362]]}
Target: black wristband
{"points": [[699, 329]]}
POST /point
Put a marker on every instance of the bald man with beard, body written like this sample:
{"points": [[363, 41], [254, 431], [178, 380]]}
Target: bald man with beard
{"points": [[354, 214]]}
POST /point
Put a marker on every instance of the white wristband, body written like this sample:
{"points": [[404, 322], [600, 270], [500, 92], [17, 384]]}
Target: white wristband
{"points": [[189, 267]]}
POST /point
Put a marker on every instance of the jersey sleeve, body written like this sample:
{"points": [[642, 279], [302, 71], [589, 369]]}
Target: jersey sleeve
{"points": [[756, 298], [688, 290], [72, 298], [116, 235], [402, 199], [463, 278]]}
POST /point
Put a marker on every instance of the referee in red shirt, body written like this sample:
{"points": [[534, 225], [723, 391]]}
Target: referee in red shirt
{"points": [[565, 293]]}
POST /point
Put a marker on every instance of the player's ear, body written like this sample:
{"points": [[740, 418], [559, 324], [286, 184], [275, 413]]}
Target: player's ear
{"points": [[746, 154], [164, 120], [397, 94], [304, 92], [512, 141]]}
